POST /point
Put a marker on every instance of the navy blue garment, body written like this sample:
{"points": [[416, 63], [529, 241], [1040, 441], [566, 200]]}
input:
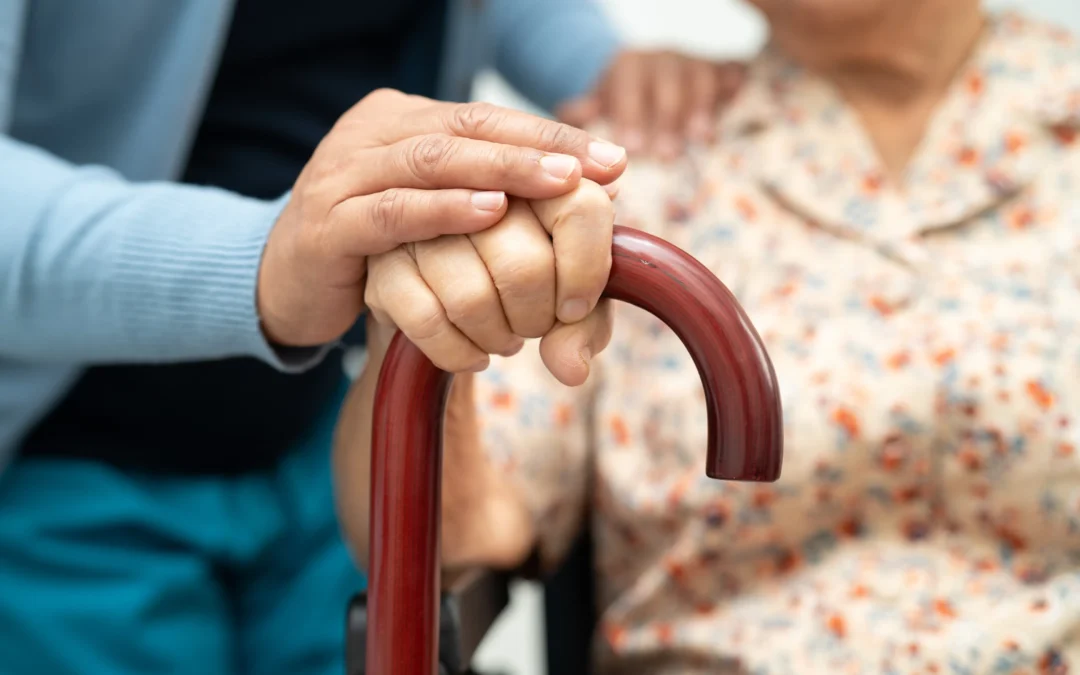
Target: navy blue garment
{"points": [[288, 71]]}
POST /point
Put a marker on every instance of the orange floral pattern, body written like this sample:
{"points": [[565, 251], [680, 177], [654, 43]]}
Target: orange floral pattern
{"points": [[927, 342]]}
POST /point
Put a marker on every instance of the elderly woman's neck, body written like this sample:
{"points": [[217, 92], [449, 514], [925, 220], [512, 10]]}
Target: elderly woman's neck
{"points": [[897, 89]]}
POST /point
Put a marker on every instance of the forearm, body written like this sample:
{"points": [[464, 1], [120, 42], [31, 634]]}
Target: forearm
{"points": [[483, 523], [485, 520], [352, 463], [97, 269], [536, 434]]}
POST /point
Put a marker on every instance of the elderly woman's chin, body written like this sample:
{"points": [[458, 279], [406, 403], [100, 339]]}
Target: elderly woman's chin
{"points": [[824, 34]]}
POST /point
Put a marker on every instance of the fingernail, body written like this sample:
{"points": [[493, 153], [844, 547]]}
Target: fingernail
{"points": [[606, 154], [633, 140], [559, 167], [573, 311], [586, 355], [515, 347], [488, 201], [612, 189], [479, 366]]}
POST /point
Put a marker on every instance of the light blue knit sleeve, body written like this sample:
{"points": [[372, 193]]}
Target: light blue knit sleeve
{"points": [[551, 50], [95, 269]]}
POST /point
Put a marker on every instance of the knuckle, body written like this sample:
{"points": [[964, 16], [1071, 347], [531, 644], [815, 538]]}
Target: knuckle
{"points": [[454, 362], [587, 200], [474, 119], [388, 210], [380, 268], [424, 320], [375, 100], [430, 154], [382, 97], [590, 195], [526, 287], [372, 300], [525, 274], [563, 138], [383, 94], [505, 162], [469, 305]]}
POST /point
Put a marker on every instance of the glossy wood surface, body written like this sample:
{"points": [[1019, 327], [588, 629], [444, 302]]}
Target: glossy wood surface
{"points": [[745, 440]]}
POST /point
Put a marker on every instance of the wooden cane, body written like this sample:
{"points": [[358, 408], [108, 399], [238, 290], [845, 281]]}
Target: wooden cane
{"points": [[745, 441]]}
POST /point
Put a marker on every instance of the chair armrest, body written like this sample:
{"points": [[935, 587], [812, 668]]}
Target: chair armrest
{"points": [[474, 600], [471, 602]]}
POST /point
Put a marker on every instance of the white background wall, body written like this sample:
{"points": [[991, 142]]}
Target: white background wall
{"points": [[716, 28]]}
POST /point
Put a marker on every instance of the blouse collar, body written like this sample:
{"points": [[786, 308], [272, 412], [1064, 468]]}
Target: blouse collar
{"points": [[1012, 108]]}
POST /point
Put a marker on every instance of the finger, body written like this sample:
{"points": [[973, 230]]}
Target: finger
{"points": [[456, 273], [568, 350], [518, 254], [442, 161], [397, 295], [378, 222], [581, 225], [704, 97], [627, 96], [601, 161], [731, 78], [669, 105]]}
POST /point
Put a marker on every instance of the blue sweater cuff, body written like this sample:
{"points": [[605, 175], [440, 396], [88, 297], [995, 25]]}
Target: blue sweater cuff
{"points": [[221, 251], [94, 269]]}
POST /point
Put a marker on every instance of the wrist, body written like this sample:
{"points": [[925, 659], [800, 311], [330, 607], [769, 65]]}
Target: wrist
{"points": [[485, 521], [493, 529]]}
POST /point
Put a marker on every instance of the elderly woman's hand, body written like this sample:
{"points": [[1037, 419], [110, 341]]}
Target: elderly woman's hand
{"points": [[657, 100], [539, 272]]}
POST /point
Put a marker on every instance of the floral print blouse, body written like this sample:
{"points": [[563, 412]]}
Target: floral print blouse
{"points": [[927, 344]]}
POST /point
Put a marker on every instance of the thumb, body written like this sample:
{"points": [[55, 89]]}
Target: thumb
{"points": [[567, 350], [579, 112]]}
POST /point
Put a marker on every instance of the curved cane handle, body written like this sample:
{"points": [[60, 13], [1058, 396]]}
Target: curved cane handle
{"points": [[745, 437]]}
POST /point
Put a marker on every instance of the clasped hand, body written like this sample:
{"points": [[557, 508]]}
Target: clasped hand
{"points": [[538, 273]]}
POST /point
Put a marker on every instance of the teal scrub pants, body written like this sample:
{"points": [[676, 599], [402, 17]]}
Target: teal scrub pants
{"points": [[109, 572]]}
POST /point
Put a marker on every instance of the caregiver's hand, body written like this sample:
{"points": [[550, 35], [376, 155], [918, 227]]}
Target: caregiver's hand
{"points": [[399, 168], [657, 100], [538, 273]]}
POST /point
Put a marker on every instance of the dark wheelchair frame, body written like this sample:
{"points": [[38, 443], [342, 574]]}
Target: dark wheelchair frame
{"points": [[416, 621], [473, 600]]}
